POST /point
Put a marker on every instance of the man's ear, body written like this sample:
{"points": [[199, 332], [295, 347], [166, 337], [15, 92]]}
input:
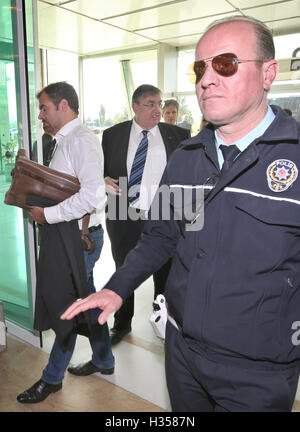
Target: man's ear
{"points": [[134, 106], [64, 105], [270, 72]]}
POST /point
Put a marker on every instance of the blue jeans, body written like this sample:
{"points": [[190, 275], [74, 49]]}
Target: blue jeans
{"points": [[102, 356]]}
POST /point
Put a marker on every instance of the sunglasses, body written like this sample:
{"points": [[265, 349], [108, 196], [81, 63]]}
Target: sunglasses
{"points": [[225, 65]]}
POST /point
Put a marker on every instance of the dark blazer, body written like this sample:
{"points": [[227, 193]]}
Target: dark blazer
{"points": [[61, 277], [115, 143], [124, 234]]}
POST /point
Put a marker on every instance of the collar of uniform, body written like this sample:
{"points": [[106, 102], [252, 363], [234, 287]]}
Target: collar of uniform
{"points": [[283, 128], [138, 129], [245, 141], [67, 128]]}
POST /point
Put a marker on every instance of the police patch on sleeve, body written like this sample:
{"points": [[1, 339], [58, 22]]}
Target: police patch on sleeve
{"points": [[281, 174]]}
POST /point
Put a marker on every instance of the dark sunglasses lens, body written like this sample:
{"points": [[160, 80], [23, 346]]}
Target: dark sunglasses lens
{"points": [[199, 69], [225, 64]]}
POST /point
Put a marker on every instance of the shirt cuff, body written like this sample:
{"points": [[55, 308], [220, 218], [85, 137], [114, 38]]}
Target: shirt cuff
{"points": [[51, 215]]}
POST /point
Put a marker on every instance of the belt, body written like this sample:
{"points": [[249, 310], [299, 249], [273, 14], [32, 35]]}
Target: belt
{"points": [[95, 228]]}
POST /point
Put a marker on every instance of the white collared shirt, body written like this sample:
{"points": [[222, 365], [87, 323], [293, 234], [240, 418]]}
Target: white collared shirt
{"points": [[155, 165], [79, 153]]}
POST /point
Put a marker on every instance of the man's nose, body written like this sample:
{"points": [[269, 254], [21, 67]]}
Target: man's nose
{"points": [[210, 76]]}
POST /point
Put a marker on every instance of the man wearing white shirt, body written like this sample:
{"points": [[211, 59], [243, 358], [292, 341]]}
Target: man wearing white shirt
{"points": [[77, 152], [120, 144]]}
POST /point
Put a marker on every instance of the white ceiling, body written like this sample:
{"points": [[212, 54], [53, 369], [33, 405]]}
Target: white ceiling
{"points": [[94, 26]]}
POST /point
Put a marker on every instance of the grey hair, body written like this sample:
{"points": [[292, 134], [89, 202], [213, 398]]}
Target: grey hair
{"points": [[144, 90], [265, 42]]}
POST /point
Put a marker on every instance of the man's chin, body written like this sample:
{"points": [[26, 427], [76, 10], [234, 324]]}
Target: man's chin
{"points": [[154, 123], [48, 130]]}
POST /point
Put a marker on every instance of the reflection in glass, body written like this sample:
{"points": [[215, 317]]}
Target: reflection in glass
{"points": [[15, 284]]}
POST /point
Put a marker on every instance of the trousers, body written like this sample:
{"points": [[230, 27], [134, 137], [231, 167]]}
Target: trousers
{"points": [[124, 235], [102, 356], [196, 383]]}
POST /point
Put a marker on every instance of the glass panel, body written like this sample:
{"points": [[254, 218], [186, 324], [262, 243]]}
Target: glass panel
{"points": [[144, 71], [104, 91], [31, 71], [63, 66], [189, 105], [187, 100], [104, 94], [285, 45], [185, 58], [15, 284], [290, 102]]}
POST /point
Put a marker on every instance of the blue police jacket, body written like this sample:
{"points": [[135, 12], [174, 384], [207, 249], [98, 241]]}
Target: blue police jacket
{"points": [[234, 284]]}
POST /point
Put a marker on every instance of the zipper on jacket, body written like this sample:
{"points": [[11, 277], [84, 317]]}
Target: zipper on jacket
{"points": [[212, 270]]}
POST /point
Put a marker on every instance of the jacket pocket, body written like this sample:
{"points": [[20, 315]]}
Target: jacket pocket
{"points": [[271, 210], [272, 334]]}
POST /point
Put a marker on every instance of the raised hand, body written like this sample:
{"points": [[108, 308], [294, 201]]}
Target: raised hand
{"points": [[108, 301]]}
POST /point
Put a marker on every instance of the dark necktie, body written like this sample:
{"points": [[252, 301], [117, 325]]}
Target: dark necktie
{"points": [[136, 174], [230, 152], [51, 151]]}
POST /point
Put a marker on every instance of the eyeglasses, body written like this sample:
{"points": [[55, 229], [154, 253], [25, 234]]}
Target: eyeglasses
{"points": [[225, 65], [151, 105]]}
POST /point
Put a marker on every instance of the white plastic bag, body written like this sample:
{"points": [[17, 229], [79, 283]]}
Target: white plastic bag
{"points": [[159, 316]]}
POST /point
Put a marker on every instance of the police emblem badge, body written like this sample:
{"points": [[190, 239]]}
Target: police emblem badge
{"points": [[281, 174]]}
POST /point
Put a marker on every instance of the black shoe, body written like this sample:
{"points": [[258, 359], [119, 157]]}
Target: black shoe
{"points": [[38, 392], [85, 369], [117, 335]]}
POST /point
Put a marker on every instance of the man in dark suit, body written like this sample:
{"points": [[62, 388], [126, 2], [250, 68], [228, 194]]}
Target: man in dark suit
{"points": [[47, 140], [120, 144]]}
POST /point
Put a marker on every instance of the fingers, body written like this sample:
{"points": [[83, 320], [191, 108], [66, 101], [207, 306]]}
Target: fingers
{"points": [[112, 180], [106, 300], [103, 317], [76, 308], [112, 190], [37, 214], [111, 186]]}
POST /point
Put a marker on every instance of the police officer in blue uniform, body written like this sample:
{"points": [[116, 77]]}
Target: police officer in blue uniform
{"points": [[233, 289]]}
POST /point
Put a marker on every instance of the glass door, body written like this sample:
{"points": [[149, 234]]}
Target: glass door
{"points": [[16, 234]]}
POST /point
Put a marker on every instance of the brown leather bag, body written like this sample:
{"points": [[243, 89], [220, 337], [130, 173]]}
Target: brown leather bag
{"points": [[31, 178]]}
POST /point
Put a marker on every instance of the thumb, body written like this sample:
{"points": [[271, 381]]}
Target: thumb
{"points": [[103, 317]]}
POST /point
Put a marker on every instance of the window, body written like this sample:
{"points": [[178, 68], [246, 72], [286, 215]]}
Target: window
{"points": [[63, 66], [104, 95], [144, 68], [185, 58]]}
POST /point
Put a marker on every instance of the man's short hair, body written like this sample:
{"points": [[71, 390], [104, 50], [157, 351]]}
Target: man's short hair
{"points": [[144, 90], [170, 102], [59, 91], [265, 42]]}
